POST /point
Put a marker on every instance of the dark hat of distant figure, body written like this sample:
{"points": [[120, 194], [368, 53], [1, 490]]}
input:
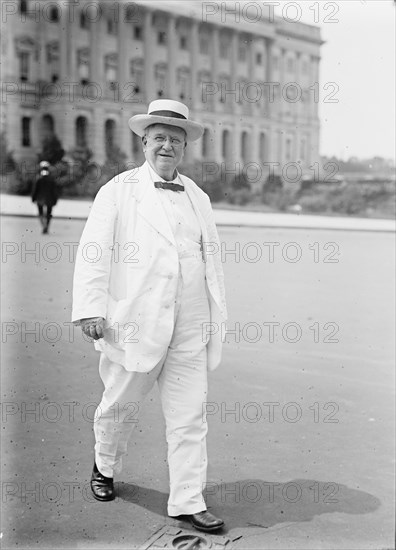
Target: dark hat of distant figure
{"points": [[170, 112]]}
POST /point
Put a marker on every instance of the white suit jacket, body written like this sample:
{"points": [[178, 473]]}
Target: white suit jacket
{"points": [[127, 271]]}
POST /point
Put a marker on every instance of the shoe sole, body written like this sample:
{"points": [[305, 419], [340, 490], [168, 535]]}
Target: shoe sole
{"points": [[207, 529], [103, 499]]}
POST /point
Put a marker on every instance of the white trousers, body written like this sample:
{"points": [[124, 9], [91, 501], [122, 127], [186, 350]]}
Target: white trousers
{"points": [[182, 380]]}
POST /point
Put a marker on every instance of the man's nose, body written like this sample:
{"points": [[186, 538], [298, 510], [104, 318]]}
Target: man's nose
{"points": [[167, 144]]}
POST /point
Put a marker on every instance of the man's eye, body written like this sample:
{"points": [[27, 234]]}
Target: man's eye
{"points": [[159, 139], [176, 141]]}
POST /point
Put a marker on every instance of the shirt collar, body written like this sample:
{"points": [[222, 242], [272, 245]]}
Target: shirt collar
{"points": [[155, 177]]}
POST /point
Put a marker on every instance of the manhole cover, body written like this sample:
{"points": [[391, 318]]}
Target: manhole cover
{"points": [[190, 542], [174, 538]]}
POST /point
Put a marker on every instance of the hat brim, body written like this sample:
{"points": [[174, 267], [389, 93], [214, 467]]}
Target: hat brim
{"points": [[139, 123]]}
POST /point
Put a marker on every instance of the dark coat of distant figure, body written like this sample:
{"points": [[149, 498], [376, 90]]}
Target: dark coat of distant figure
{"points": [[44, 191], [45, 194]]}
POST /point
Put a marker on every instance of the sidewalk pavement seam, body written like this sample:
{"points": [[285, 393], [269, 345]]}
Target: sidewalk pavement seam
{"points": [[66, 209]]}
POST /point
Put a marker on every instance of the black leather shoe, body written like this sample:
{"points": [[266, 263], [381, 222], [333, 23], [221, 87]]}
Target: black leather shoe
{"points": [[102, 487], [204, 521]]}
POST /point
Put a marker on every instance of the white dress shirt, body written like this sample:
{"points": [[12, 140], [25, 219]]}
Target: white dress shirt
{"points": [[181, 215]]}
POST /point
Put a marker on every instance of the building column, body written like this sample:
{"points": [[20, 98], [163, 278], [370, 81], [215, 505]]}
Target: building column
{"points": [[269, 72], [172, 53], [297, 78], [148, 58], [281, 104], [42, 57], [123, 60], [315, 73], [64, 52], [215, 66], [252, 68], [71, 46], [96, 58], [194, 54], [123, 137], [234, 57], [269, 60]]}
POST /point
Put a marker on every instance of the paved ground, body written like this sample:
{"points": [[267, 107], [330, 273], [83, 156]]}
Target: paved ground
{"points": [[79, 209], [304, 461]]}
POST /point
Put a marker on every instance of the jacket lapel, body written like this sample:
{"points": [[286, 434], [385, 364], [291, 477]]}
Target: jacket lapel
{"points": [[196, 203], [149, 205]]}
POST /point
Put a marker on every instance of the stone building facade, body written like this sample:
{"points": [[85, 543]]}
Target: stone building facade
{"points": [[80, 69]]}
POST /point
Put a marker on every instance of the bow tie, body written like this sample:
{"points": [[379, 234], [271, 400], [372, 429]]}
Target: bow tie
{"points": [[168, 185]]}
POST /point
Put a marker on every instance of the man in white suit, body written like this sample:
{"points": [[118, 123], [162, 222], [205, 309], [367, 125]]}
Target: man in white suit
{"points": [[149, 289]]}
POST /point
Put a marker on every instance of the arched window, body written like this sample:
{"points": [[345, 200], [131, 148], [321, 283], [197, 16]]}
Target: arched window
{"points": [[81, 131], [26, 123], [244, 146], [288, 149], [263, 153], [205, 143], [84, 21], [110, 135], [47, 127], [54, 14], [226, 144]]}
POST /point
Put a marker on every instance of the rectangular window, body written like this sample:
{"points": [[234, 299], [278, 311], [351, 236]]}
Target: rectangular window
{"points": [[84, 21], [161, 38], [137, 75], [302, 149], [223, 49], [24, 66], [183, 79], [26, 131], [259, 59], [183, 43], [204, 43], [160, 71], [288, 149], [138, 33], [111, 68], [83, 65], [242, 52], [112, 26]]}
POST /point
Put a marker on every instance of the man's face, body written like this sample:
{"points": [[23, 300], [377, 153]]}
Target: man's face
{"points": [[163, 147]]}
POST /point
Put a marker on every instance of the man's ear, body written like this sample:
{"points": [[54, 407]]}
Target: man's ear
{"points": [[144, 140]]}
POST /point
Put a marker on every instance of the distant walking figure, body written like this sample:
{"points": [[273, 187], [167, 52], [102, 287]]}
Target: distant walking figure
{"points": [[45, 195]]}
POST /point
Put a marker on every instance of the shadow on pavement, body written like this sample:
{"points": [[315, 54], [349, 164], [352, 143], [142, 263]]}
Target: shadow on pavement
{"points": [[258, 503]]}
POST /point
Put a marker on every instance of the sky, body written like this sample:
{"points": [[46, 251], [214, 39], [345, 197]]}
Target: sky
{"points": [[359, 56]]}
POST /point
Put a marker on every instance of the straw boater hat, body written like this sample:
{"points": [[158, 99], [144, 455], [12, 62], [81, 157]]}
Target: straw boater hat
{"points": [[167, 111]]}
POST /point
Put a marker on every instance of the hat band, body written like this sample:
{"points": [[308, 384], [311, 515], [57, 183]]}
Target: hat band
{"points": [[169, 114]]}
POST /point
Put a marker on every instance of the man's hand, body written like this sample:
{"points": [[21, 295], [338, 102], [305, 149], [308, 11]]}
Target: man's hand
{"points": [[93, 327]]}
